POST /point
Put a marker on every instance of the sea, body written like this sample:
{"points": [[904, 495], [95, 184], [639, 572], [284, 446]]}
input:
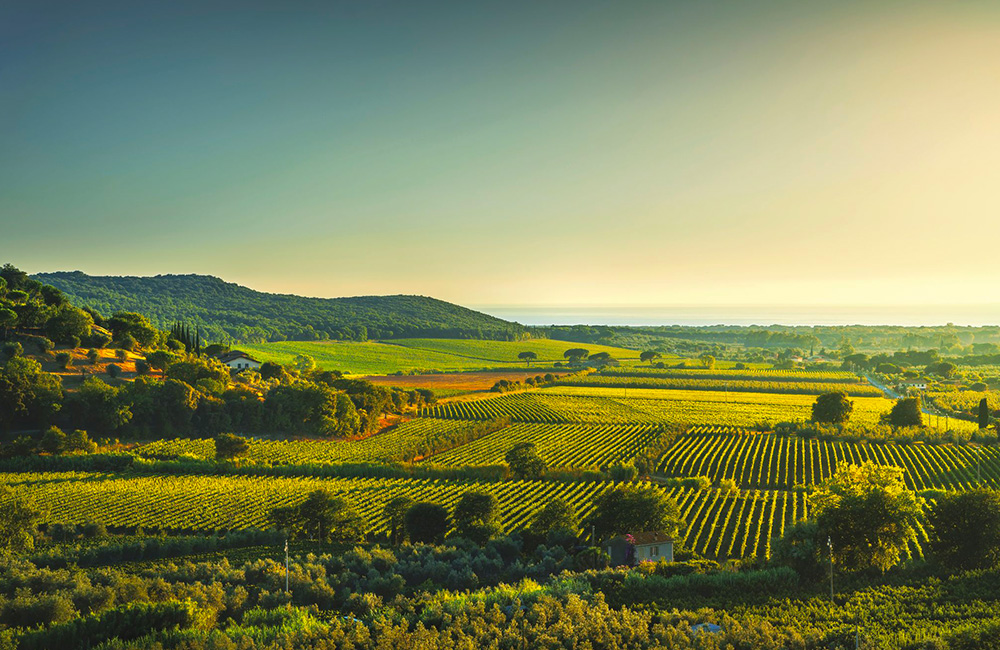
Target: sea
{"points": [[761, 315]]}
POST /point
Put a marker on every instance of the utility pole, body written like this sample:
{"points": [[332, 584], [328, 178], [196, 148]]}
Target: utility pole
{"points": [[286, 564], [829, 544]]}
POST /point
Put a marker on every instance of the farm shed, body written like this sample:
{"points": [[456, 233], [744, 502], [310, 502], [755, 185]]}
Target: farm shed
{"points": [[640, 547]]}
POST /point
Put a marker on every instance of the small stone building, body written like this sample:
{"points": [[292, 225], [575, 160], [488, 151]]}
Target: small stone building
{"points": [[640, 547]]}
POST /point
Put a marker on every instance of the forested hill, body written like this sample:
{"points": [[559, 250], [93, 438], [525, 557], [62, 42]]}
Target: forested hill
{"points": [[224, 309]]}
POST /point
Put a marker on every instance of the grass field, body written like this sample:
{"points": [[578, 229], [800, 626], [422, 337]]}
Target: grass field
{"points": [[381, 358], [456, 382], [507, 351]]}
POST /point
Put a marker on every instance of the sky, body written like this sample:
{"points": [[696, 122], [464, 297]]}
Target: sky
{"points": [[584, 153]]}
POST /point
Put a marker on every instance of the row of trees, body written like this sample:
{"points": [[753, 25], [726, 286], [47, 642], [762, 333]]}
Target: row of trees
{"points": [[836, 408], [476, 516]]}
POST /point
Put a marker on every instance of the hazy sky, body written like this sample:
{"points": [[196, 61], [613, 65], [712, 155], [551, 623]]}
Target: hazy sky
{"points": [[530, 153]]}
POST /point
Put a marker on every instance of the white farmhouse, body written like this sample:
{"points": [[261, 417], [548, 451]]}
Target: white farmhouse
{"points": [[237, 360]]}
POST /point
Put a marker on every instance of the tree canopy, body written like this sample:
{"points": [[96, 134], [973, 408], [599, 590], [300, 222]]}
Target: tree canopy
{"points": [[227, 311], [635, 509], [832, 407], [524, 461], [965, 529], [868, 515]]}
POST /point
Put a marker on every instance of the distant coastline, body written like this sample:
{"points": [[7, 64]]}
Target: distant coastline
{"points": [[793, 315]]}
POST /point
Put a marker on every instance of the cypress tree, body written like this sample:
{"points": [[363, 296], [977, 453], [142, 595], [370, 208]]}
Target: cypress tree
{"points": [[984, 413]]}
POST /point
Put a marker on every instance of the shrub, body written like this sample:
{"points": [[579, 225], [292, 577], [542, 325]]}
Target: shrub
{"points": [[11, 350], [44, 345], [93, 355], [114, 370], [64, 359], [427, 522], [53, 441], [229, 446]]}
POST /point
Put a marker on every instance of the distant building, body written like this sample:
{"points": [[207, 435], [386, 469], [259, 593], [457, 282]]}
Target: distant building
{"points": [[237, 360], [640, 547], [915, 384]]}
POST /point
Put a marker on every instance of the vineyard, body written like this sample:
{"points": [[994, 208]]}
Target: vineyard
{"points": [[566, 404], [966, 400], [400, 443], [770, 374], [719, 524], [561, 445], [775, 462], [739, 385]]}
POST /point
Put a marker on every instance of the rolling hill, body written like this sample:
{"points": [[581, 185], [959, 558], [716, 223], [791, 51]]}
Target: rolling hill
{"points": [[225, 310]]}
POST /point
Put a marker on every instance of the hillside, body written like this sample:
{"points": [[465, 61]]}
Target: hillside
{"points": [[227, 310]]}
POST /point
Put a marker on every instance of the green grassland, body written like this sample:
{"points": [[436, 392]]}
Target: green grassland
{"points": [[380, 358], [507, 351]]}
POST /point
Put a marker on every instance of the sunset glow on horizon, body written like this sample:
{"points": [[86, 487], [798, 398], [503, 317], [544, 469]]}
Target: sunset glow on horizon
{"points": [[591, 153]]}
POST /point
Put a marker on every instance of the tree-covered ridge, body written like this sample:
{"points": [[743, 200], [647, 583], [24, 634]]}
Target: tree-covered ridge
{"points": [[225, 310]]}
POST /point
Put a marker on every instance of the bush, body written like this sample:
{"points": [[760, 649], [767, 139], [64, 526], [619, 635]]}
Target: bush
{"points": [[121, 354], [427, 523], [11, 350], [229, 446], [64, 359], [728, 485], [907, 413], [93, 355], [44, 345], [622, 472], [142, 367], [100, 339], [114, 370], [53, 441]]}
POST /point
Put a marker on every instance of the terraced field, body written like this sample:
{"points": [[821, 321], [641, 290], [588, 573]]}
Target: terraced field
{"points": [[777, 462], [561, 445], [562, 404], [719, 524]]}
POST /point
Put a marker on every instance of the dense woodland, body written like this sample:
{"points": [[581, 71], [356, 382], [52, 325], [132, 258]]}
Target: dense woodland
{"points": [[228, 312], [176, 391]]}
